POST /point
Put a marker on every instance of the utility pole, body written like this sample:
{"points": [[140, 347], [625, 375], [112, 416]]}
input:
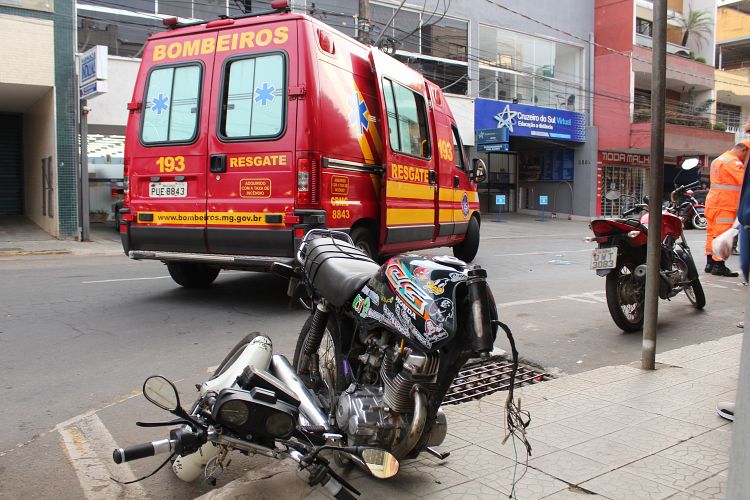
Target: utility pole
{"points": [[655, 184], [363, 22], [83, 187]]}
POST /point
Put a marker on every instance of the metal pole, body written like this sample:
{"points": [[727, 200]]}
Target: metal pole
{"points": [[656, 183], [363, 22], [84, 174]]}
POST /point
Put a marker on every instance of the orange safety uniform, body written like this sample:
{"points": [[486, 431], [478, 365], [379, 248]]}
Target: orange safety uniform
{"points": [[727, 172]]}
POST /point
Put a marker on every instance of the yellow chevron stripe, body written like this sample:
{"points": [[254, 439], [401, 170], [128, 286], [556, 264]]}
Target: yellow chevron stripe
{"points": [[340, 90], [409, 216], [396, 189]]}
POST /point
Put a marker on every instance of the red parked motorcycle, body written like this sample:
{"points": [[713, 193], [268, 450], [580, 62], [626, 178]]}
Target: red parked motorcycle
{"points": [[621, 257]]}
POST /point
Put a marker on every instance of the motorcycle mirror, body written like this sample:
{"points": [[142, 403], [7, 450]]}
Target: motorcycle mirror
{"points": [[161, 392], [645, 199], [689, 163], [382, 464], [612, 195]]}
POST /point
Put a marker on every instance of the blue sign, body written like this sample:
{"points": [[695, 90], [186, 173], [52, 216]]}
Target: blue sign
{"points": [[544, 200], [492, 148], [500, 199], [492, 136], [521, 120]]}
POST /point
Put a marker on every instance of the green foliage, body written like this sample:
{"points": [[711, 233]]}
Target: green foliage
{"points": [[696, 23], [720, 126]]}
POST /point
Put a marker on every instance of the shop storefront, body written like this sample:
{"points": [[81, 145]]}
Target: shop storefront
{"points": [[530, 152]]}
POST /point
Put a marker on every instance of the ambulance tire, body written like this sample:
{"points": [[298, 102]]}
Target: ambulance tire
{"points": [[365, 241], [192, 274], [467, 249]]}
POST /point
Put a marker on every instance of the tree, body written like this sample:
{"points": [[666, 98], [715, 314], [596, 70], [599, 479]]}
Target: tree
{"points": [[696, 23]]}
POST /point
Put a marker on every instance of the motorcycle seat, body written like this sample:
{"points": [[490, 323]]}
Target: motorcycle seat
{"points": [[337, 269]]}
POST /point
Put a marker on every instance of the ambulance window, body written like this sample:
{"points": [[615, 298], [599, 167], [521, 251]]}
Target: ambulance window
{"points": [[171, 109], [407, 120], [458, 149], [253, 98]]}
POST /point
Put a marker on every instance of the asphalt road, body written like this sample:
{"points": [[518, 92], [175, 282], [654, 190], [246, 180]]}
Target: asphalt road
{"points": [[79, 335]]}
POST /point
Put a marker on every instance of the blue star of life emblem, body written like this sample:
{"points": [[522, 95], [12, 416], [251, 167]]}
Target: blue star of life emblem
{"points": [[505, 118], [264, 95], [358, 117], [160, 103]]}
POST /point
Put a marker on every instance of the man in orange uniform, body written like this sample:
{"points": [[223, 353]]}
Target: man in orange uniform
{"points": [[727, 172]]}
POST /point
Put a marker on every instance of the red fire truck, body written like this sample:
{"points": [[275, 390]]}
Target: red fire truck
{"points": [[246, 132]]}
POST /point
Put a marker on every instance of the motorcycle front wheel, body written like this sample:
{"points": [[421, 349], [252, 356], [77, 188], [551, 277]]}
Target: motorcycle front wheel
{"points": [[699, 221], [625, 297], [695, 294], [329, 377]]}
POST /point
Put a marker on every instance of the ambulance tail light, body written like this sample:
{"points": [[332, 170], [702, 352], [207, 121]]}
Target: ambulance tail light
{"points": [[308, 174], [126, 180]]}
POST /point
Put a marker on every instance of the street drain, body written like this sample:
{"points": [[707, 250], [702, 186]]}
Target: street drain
{"points": [[485, 377]]}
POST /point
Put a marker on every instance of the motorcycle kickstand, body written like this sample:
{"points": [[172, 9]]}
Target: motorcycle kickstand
{"points": [[441, 455]]}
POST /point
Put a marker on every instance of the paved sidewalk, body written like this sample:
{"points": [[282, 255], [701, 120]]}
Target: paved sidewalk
{"points": [[616, 432], [20, 237]]}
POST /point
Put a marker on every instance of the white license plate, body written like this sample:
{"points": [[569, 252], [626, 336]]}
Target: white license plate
{"points": [[604, 258], [167, 190]]}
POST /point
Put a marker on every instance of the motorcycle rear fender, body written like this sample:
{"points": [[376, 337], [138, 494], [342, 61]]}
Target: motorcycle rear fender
{"points": [[684, 255]]}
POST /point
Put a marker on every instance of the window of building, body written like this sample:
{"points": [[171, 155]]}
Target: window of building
{"points": [[643, 26], [729, 115], [171, 106], [407, 120], [126, 24], [253, 101], [529, 69], [445, 42]]}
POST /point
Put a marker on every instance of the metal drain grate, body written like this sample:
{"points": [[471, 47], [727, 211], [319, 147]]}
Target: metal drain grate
{"points": [[487, 377]]}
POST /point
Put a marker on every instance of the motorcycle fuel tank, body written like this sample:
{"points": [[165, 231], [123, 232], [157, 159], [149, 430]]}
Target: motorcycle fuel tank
{"points": [[414, 296]]}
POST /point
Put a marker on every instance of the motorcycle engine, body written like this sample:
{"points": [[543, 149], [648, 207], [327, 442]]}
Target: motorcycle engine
{"points": [[374, 415]]}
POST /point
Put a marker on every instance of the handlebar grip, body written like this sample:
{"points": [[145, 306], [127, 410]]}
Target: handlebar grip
{"points": [[135, 452]]}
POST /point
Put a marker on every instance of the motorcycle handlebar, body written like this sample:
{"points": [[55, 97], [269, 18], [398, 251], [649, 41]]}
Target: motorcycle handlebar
{"points": [[143, 450], [687, 186]]}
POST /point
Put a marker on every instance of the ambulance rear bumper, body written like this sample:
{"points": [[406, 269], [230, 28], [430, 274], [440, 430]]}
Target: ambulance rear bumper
{"points": [[242, 262]]}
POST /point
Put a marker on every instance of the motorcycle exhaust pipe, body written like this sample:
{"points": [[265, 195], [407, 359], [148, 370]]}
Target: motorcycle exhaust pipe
{"points": [[281, 368], [409, 441]]}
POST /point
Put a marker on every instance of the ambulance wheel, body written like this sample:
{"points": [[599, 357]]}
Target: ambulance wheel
{"points": [[364, 240], [467, 249], [192, 274]]}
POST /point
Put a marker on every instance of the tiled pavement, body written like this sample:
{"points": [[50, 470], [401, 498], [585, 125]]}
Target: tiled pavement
{"points": [[617, 432]]}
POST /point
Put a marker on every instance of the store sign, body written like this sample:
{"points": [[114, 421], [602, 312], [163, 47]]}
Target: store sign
{"points": [[92, 72], [618, 158], [492, 148], [492, 136], [521, 120], [500, 199]]}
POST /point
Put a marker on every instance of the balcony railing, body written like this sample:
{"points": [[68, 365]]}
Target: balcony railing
{"points": [[672, 48]]}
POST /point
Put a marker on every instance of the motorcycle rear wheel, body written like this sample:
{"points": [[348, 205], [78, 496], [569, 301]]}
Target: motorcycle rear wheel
{"points": [[699, 221], [330, 362], [624, 300]]}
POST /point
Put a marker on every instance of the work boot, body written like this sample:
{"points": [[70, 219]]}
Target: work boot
{"points": [[709, 264], [721, 269], [725, 409]]}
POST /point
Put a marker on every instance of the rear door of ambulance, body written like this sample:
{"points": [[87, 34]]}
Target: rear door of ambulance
{"points": [[167, 144], [251, 184], [409, 203]]}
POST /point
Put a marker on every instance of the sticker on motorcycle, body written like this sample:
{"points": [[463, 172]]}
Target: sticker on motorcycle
{"points": [[412, 295], [441, 310]]}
